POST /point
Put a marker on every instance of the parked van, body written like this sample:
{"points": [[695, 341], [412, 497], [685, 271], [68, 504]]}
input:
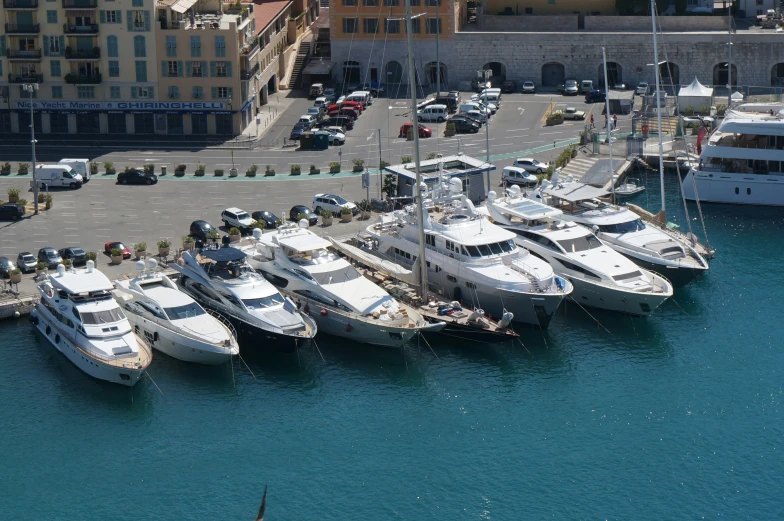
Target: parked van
{"points": [[80, 166], [56, 176], [586, 86], [437, 113], [489, 98], [316, 90], [361, 96], [490, 91], [469, 106]]}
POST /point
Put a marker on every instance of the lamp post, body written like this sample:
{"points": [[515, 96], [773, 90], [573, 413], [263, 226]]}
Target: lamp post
{"points": [[231, 115], [729, 57], [255, 125], [32, 88]]}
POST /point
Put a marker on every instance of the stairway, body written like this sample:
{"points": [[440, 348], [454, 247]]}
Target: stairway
{"points": [[577, 167], [669, 125], [299, 63]]}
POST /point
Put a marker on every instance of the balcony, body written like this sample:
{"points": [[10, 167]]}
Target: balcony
{"points": [[82, 54], [80, 29], [80, 4], [15, 54], [25, 78], [82, 79], [22, 28], [250, 47], [20, 4], [246, 75]]}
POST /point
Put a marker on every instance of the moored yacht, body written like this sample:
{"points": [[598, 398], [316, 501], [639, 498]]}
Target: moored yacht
{"points": [[326, 286], [79, 317], [171, 321], [220, 279], [602, 277]]}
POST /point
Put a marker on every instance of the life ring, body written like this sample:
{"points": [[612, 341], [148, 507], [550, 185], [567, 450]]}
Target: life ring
{"points": [[645, 129]]}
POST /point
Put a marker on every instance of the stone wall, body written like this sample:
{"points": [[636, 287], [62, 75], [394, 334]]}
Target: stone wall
{"points": [[559, 23], [667, 23]]}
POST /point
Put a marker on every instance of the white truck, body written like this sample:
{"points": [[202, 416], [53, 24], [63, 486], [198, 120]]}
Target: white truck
{"points": [[56, 176], [80, 166]]}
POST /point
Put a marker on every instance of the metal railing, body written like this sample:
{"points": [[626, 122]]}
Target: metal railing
{"points": [[25, 78], [76, 79], [80, 4], [15, 54], [20, 4], [80, 29], [82, 54], [22, 28]]}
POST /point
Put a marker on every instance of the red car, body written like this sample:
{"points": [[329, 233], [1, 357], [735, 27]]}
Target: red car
{"points": [[423, 130], [353, 105], [109, 246]]}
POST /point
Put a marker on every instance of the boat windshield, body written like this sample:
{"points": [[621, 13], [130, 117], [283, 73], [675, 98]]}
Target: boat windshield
{"points": [[187, 311], [585, 243], [102, 317], [485, 250], [263, 302], [628, 227]]}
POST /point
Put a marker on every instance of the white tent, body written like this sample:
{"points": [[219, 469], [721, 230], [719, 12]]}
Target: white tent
{"points": [[695, 95]]}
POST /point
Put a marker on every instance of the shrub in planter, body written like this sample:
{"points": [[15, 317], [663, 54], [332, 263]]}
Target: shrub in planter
{"points": [[218, 172], [314, 170], [364, 209], [296, 169], [450, 130], [40, 268], [48, 200], [688, 111], [163, 247], [405, 159], [572, 150], [554, 118], [252, 171], [67, 263], [410, 134], [345, 215], [117, 256], [149, 169], [199, 169], [91, 255], [179, 171], [234, 234], [359, 165], [258, 224], [705, 110], [383, 165], [23, 168], [721, 110], [187, 242], [109, 168], [5, 169], [141, 249], [326, 217], [302, 216], [213, 235], [15, 275], [93, 168], [22, 203], [41, 196], [199, 173], [431, 155], [13, 195], [334, 167], [269, 171]]}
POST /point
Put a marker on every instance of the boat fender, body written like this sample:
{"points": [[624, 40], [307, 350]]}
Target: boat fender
{"points": [[349, 327], [506, 319], [323, 312]]}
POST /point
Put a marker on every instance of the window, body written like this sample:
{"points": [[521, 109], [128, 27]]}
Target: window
{"points": [[114, 92], [174, 92], [221, 92], [349, 3], [185, 311], [196, 69], [114, 69], [171, 46], [430, 239], [142, 92], [627, 227], [138, 18], [370, 3], [137, 3], [585, 243], [415, 3], [220, 46], [220, 69], [416, 26], [196, 46], [371, 25], [433, 26], [57, 92], [172, 70], [393, 26], [139, 47], [391, 3], [51, 17], [85, 92], [54, 46], [111, 17], [350, 25], [432, 3], [112, 48], [54, 68], [197, 92], [141, 71]]}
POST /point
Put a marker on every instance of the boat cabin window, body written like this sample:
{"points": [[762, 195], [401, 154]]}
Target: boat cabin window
{"points": [[152, 309], [547, 243], [627, 227], [263, 302], [584, 243], [186, 311], [627, 276], [579, 269], [484, 249], [103, 317]]}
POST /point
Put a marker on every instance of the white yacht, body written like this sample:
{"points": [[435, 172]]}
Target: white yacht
{"points": [[328, 288], [79, 317], [650, 247], [743, 160], [171, 321], [220, 279], [602, 278], [471, 260]]}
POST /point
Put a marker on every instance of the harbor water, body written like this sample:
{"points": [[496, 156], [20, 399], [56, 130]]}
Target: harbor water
{"points": [[677, 416]]}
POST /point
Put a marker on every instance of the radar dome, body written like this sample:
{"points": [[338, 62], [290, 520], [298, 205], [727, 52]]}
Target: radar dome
{"points": [[303, 223], [60, 270], [492, 195], [257, 233], [455, 186], [140, 266], [152, 264], [514, 190]]}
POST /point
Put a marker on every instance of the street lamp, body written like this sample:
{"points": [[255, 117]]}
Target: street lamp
{"points": [[32, 88]]}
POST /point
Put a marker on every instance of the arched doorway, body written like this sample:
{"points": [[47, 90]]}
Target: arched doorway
{"points": [[431, 71], [669, 74], [553, 74], [393, 72], [720, 76], [499, 72], [777, 75], [351, 72], [614, 74]]}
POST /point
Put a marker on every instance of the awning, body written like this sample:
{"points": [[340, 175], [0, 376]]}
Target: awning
{"points": [[182, 5], [573, 192]]}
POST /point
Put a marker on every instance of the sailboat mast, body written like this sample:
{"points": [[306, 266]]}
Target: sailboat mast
{"points": [[418, 194], [658, 103], [609, 122]]}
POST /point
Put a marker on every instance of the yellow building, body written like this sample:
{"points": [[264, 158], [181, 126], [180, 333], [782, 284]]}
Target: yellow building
{"points": [[549, 7]]}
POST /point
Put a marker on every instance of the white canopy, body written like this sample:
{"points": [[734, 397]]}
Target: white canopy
{"points": [[183, 5], [695, 95]]}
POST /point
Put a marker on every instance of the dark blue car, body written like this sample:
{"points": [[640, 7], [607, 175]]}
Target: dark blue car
{"points": [[297, 131], [594, 96]]}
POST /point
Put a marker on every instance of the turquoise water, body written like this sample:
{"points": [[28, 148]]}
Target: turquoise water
{"points": [[677, 416]]}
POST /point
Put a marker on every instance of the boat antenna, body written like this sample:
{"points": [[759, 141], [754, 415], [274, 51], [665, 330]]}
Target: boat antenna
{"points": [[417, 166], [609, 122], [260, 516], [663, 211]]}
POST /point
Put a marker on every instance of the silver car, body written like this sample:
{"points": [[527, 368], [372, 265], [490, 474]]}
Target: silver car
{"points": [[25, 261], [529, 87]]}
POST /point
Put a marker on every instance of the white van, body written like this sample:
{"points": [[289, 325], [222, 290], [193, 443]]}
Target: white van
{"points": [[361, 96], [80, 166], [437, 113], [467, 107], [488, 98], [490, 91], [56, 176]]}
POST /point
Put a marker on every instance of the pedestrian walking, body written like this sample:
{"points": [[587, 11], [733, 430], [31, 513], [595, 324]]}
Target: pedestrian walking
{"points": [[592, 125], [615, 121]]}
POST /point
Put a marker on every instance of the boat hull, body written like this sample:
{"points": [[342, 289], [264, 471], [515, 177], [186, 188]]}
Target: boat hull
{"points": [[719, 187], [535, 309], [178, 346], [678, 276], [599, 296], [254, 338], [340, 325]]}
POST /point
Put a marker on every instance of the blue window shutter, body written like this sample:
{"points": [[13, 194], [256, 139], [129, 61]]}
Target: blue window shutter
{"points": [[188, 69], [214, 92], [54, 68], [230, 92], [204, 68], [163, 69], [133, 92], [228, 69], [151, 90], [130, 20], [62, 45], [103, 16], [118, 13], [212, 69], [2, 45], [46, 46], [146, 20], [179, 69]]}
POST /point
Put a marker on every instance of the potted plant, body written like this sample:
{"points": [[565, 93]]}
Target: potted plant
{"points": [[91, 256], [13, 195], [364, 209], [218, 172], [141, 249], [41, 197], [314, 170], [109, 168], [5, 169], [199, 169], [149, 169], [554, 118], [334, 167], [48, 200], [187, 243], [450, 130], [359, 165], [67, 263], [93, 168], [23, 168], [573, 150], [258, 225], [410, 134], [22, 203], [383, 165], [345, 215], [40, 268], [235, 235], [179, 171], [269, 171], [405, 160], [163, 247], [431, 155], [15, 275], [116, 256], [296, 169], [326, 217], [251, 172], [721, 110], [213, 235]]}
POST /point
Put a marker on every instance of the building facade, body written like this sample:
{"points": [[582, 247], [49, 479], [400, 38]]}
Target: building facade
{"points": [[550, 7]]}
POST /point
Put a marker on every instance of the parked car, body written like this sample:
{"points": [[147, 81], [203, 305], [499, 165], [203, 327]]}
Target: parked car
{"points": [[509, 86], [530, 164], [134, 176], [199, 230], [297, 131], [302, 209], [11, 212], [464, 123], [307, 120], [25, 261], [109, 246], [621, 86], [642, 88], [586, 86], [569, 88], [595, 96], [236, 218], [477, 85], [5, 267], [477, 116], [340, 121], [373, 87], [50, 257], [316, 112], [697, 121], [316, 90], [423, 130], [515, 175], [329, 93], [573, 113], [333, 203], [75, 254], [338, 132], [269, 219], [529, 87], [322, 101], [333, 138]]}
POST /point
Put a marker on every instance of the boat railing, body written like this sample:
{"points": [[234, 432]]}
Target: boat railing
{"points": [[220, 318]]}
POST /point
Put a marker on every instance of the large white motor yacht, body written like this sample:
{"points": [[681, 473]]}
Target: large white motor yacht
{"points": [[171, 321], [650, 247], [220, 279], [79, 317], [743, 160], [602, 278], [470, 259], [327, 287]]}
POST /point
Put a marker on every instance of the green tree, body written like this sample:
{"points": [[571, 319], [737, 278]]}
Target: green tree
{"points": [[389, 186]]}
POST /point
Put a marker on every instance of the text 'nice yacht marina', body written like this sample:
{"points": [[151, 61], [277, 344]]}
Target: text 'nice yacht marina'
{"points": [[743, 160], [602, 277], [80, 318], [327, 287], [171, 321]]}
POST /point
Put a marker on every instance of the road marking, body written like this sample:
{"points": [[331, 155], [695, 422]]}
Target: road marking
{"points": [[521, 110]]}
